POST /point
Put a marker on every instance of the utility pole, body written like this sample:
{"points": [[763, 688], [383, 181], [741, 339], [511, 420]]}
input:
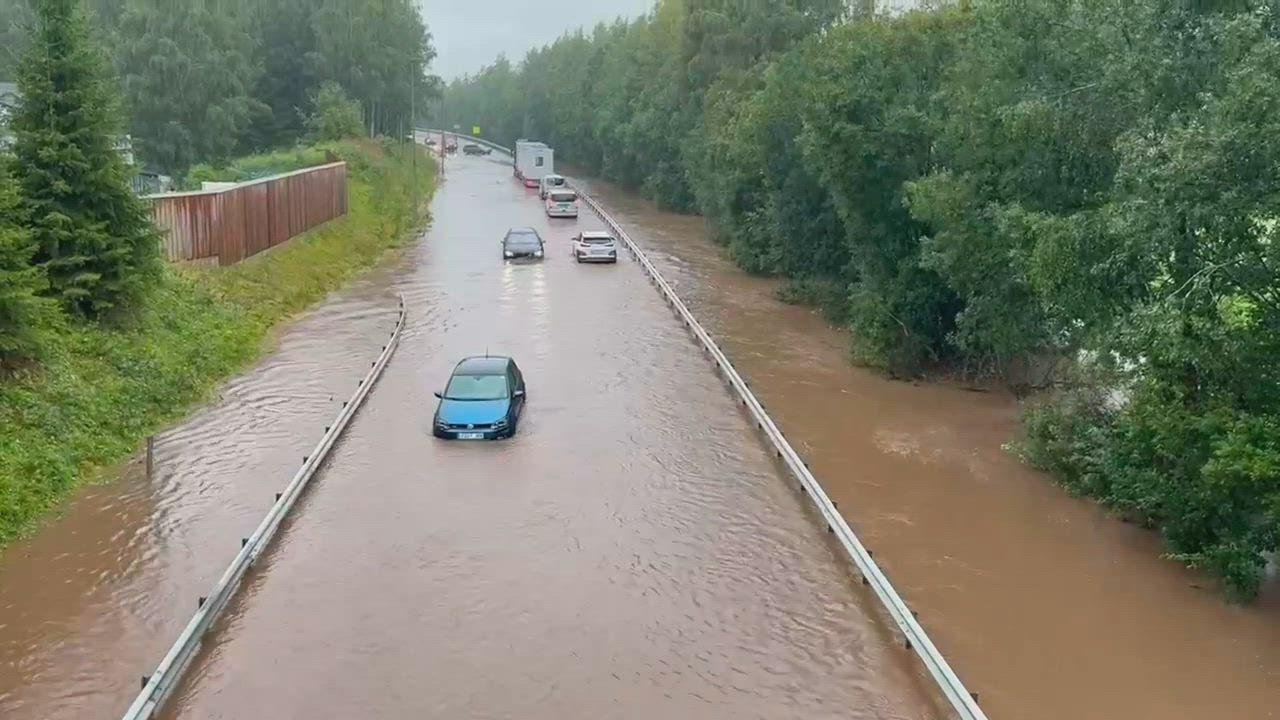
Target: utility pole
{"points": [[413, 137]]}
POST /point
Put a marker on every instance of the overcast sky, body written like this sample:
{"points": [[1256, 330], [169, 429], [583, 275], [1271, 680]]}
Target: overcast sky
{"points": [[469, 34]]}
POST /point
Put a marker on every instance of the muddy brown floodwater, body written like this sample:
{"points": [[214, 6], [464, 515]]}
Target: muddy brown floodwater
{"points": [[1046, 606], [92, 601], [632, 553]]}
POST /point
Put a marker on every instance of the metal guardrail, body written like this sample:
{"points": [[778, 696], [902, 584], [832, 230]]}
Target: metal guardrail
{"points": [[157, 687], [957, 695], [961, 700], [953, 689]]}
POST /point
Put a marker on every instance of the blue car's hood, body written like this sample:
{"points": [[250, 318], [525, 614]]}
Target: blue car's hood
{"points": [[472, 412]]}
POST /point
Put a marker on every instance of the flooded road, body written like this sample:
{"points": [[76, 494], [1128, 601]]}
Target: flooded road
{"points": [[1043, 604], [94, 599], [632, 553]]}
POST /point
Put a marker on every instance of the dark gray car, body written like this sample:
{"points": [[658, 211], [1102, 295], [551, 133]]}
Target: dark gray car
{"points": [[522, 243]]}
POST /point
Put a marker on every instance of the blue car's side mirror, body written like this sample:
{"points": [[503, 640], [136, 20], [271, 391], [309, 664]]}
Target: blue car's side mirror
{"points": [[518, 393], [439, 394]]}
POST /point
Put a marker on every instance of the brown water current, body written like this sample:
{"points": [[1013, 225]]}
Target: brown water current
{"points": [[92, 601], [1044, 604], [632, 553]]}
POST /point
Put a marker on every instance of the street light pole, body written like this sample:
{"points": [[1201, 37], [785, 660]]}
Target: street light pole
{"points": [[413, 137]]}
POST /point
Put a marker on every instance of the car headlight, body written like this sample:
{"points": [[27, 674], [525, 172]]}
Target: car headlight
{"points": [[508, 253], [500, 424], [442, 424], [537, 253]]}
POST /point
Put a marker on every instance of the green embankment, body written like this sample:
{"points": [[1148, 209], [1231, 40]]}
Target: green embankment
{"points": [[256, 166], [102, 391]]}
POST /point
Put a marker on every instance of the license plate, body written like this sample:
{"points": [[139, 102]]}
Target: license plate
{"points": [[566, 207], [470, 436]]}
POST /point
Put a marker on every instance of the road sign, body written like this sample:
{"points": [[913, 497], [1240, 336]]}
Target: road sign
{"points": [[475, 130]]}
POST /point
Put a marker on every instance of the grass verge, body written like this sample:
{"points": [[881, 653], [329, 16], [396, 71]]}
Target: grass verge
{"points": [[102, 390]]}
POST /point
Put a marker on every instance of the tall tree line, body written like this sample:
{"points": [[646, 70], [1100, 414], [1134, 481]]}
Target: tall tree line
{"points": [[194, 82], [207, 79], [74, 240], [1002, 187]]}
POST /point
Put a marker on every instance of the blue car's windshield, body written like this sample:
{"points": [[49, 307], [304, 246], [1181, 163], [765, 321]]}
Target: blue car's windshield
{"points": [[477, 387]]}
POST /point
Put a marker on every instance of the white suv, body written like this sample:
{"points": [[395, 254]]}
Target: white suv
{"points": [[595, 246]]}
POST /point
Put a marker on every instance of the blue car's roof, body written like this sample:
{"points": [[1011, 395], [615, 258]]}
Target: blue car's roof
{"points": [[489, 365]]}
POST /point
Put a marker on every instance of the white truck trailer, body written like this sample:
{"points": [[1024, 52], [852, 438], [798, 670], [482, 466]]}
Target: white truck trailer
{"points": [[533, 160]]}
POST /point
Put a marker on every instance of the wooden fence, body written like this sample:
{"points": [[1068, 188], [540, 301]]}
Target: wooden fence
{"points": [[227, 226]]}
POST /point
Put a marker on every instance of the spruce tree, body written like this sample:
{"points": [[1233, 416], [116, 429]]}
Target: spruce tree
{"points": [[94, 238], [24, 314]]}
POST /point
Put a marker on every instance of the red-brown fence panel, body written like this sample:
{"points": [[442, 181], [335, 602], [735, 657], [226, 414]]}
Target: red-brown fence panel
{"points": [[227, 226]]}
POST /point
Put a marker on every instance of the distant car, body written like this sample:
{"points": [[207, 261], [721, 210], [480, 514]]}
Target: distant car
{"points": [[549, 183], [595, 246], [562, 203], [451, 148], [474, 149], [483, 400], [522, 243], [431, 142]]}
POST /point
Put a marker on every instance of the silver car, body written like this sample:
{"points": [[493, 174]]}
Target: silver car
{"points": [[549, 183]]}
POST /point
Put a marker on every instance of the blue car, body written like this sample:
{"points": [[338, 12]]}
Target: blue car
{"points": [[482, 401]]}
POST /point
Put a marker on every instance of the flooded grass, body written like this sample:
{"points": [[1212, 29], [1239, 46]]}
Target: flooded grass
{"points": [[104, 389]]}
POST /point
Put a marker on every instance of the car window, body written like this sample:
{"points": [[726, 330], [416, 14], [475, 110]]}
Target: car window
{"points": [[598, 241], [523, 240], [564, 196], [477, 387]]}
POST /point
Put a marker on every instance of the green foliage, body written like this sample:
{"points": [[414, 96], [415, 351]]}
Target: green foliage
{"points": [[335, 115], [103, 389], [15, 21], [829, 296], [205, 80], [25, 316], [625, 101], [94, 238], [187, 74], [991, 186], [378, 50], [284, 58], [254, 167], [1167, 273]]}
